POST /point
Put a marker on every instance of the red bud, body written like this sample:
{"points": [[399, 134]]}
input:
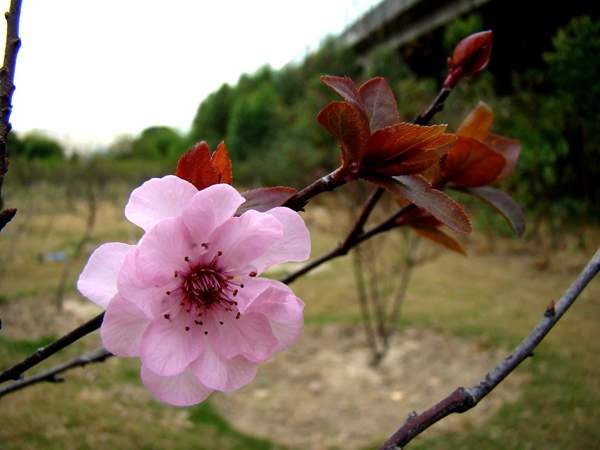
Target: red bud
{"points": [[470, 56]]}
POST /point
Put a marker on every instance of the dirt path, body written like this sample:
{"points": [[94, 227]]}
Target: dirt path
{"points": [[321, 393]]}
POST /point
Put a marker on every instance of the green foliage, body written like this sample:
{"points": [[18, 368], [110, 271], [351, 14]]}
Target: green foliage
{"points": [[157, 142], [34, 145], [459, 29]]}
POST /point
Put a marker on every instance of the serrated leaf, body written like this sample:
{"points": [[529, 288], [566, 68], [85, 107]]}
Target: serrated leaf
{"points": [[387, 144], [196, 166], [263, 199], [417, 190], [471, 163], [477, 124], [503, 203], [349, 125], [222, 164], [510, 149], [379, 103], [345, 88], [436, 235]]}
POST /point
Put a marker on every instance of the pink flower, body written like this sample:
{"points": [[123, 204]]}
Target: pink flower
{"points": [[187, 299]]}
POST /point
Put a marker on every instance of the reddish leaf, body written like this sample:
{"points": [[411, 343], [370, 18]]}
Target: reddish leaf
{"points": [[509, 148], [504, 204], [345, 87], [470, 56], [263, 199], [379, 103], [196, 166], [417, 190], [437, 235], [222, 164], [350, 127], [471, 163], [411, 162], [387, 144], [477, 123]]}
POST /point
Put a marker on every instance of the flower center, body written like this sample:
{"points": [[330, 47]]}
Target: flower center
{"points": [[207, 287]]}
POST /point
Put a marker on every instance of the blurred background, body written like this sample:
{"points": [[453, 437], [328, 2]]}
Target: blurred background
{"points": [[111, 94]]}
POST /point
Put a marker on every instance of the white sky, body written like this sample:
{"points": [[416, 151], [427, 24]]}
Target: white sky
{"points": [[89, 70]]}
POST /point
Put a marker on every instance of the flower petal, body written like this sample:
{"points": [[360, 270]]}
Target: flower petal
{"points": [[249, 335], [178, 390], [244, 239], [283, 310], [158, 199], [123, 327], [162, 251], [293, 246], [221, 374], [170, 344], [145, 296], [98, 280], [210, 208]]}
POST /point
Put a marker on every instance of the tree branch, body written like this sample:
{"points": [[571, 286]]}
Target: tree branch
{"points": [[50, 375], [15, 372], [463, 399], [7, 87]]}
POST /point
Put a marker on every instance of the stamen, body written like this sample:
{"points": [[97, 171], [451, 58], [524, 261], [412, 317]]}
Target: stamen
{"points": [[252, 274], [187, 328], [167, 316]]}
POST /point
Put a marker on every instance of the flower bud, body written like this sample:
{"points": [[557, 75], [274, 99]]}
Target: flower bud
{"points": [[470, 56]]}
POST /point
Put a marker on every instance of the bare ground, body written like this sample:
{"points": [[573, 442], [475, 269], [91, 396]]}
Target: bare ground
{"points": [[322, 393]]}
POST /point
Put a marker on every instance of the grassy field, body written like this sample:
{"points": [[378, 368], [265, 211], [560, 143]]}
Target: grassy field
{"points": [[492, 297]]}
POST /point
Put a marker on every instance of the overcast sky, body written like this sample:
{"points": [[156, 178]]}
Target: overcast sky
{"points": [[90, 70]]}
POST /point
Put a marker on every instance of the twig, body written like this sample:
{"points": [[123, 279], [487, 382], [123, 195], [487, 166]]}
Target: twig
{"points": [[7, 87], [363, 302], [435, 107], [50, 375], [87, 234], [15, 372], [463, 399]]}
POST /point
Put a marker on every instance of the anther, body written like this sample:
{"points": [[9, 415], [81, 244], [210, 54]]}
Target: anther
{"points": [[206, 332], [187, 328], [252, 274], [198, 322], [176, 274], [235, 291], [167, 316], [187, 258], [168, 292], [237, 316], [220, 322], [219, 253], [242, 285], [204, 244]]}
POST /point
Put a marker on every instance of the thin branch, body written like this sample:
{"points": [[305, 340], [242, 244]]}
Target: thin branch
{"points": [[462, 399], [7, 87], [15, 372], [435, 107], [50, 375], [363, 302]]}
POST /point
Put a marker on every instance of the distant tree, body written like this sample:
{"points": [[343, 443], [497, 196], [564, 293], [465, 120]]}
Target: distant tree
{"points": [[39, 146], [158, 142], [212, 117]]}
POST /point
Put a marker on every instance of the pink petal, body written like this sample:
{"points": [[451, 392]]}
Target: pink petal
{"points": [[158, 199], [98, 280], [178, 390], [250, 335], [163, 251], [210, 208], [221, 374], [293, 246], [244, 239], [283, 310], [169, 345], [123, 327], [145, 296]]}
